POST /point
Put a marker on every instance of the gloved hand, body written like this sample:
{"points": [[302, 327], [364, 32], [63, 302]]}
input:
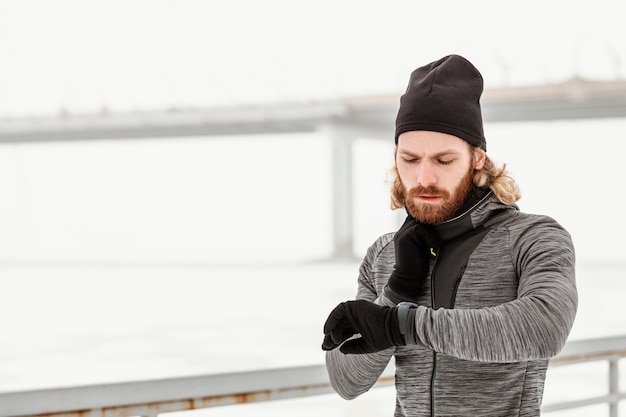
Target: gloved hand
{"points": [[378, 326], [415, 244]]}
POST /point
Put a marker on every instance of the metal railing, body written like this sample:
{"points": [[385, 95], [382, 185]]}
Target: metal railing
{"points": [[150, 398], [610, 349]]}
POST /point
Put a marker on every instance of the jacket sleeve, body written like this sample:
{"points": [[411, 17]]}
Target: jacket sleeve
{"points": [[533, 326], [352, 375]]}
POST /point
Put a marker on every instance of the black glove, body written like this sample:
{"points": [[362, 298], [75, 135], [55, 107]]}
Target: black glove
{"points": [[415, 244], [378, 326]]}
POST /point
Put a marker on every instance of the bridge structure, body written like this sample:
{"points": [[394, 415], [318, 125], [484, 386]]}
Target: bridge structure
{"points": [[341, 120]]}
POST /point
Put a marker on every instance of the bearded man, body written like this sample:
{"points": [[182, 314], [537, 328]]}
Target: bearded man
{"points": [[471, 296]]}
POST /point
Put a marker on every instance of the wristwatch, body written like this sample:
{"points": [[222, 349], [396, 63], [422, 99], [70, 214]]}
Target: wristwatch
{"points": [[403, 312]]}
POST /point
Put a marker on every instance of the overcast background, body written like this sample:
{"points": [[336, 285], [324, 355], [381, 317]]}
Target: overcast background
{"points": [[85, 56], [120, 259], [190, 199]]}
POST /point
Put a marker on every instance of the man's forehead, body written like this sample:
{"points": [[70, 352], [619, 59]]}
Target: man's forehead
{"points": [[431, 142], [430, 135]]}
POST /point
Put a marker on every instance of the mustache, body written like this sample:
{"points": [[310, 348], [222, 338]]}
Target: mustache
{"points": [[430, 190]]}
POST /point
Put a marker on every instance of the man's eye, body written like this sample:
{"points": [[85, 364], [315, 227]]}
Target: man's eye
{"points": [[410, 160], [446, 161]]}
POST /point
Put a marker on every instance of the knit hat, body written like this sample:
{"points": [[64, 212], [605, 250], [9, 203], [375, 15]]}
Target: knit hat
{"points": [[444, 96]]}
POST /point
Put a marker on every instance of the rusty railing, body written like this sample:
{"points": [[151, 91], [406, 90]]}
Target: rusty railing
{"points": [[150, 398]]}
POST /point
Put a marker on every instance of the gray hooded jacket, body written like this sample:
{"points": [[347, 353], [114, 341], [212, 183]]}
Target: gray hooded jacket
{"points": [[504, 291]]}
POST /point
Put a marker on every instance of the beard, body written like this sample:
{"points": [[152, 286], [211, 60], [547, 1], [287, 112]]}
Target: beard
{"points": [[438, 213]]}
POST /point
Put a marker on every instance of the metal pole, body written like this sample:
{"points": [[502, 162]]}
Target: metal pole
{"points": [[614, 386], [343, 229], [342, 138]]}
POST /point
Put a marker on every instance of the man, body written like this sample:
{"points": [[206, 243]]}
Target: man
{"points": [[471, 296]]}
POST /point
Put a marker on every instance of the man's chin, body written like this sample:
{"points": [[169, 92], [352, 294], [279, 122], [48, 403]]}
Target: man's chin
{"points": [[427, 213]]}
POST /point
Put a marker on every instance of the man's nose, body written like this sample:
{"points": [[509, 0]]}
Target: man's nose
{"points": [[426, 175]]}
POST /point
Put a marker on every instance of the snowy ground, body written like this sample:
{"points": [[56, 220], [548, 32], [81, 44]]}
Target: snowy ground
{"points": [[74, 325]]}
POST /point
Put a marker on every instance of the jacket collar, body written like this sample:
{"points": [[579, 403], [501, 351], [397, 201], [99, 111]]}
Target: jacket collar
{"points": [[478, 210]]}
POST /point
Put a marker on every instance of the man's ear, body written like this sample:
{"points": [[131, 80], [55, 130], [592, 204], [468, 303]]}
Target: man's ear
{"points": [[480, 157]]}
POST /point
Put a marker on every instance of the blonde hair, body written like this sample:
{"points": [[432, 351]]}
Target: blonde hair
{"points": [[491, 174]]}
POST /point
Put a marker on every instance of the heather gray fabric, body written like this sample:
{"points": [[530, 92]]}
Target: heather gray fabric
{"points": [[514, 308]]}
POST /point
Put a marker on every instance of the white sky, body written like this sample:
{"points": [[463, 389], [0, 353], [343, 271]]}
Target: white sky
{"points": [[83, 56]]}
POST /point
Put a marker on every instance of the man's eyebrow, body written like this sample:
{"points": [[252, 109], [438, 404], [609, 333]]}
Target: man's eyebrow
{"points": [[407, 152], [437, 155], [446, 152]]}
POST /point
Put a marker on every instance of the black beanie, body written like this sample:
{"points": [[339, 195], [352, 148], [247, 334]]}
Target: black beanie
{"points": [[444, 96]]}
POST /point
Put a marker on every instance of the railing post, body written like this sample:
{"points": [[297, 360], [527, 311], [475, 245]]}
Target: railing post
{"points": [[614, 386]]}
